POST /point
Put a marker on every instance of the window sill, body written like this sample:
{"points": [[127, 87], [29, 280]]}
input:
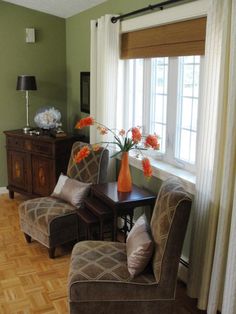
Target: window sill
{"points": [[162, 171]]}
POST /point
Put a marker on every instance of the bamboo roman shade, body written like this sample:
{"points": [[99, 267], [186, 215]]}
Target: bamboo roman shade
{"points": [[178, 39]]}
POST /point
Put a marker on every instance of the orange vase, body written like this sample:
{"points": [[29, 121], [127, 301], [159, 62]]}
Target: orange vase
{"points": [[124, 183]]}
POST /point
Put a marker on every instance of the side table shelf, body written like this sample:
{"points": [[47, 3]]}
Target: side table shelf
{"points": [[106, 204]]}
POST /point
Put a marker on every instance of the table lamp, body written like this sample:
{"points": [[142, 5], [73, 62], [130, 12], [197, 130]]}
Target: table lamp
{"points": [[26, 83]]}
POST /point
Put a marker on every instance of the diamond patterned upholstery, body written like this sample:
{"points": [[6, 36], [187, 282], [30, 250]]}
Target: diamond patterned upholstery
{"points": [[102, 260], [99, 281], [89, 170], [170, 196], [52, 221], [41, 211]]}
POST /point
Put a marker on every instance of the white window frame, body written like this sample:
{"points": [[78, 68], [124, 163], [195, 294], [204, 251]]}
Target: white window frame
{"points": [[186, 11], [172, 104], [171, 109], [184, 164]]}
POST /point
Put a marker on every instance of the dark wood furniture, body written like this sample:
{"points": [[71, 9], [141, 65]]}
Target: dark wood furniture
{"points": [[34, 162], [107, 203]]}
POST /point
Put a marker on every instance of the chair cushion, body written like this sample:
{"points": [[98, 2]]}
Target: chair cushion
{"points": [[139, 247], [71, 190], [41, 212], [101, 267]]}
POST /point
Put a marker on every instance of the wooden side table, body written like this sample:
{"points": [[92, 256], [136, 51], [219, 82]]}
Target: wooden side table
{"points": [[122, 203]]}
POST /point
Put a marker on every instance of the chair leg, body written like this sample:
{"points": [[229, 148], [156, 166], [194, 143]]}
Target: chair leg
{"points": [[27, 238], [89, 234], [51, 252]]}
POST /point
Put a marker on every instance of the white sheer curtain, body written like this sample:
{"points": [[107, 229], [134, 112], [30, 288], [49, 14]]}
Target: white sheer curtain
{"points": [[213, 257], [104, 72], [104, 78]]}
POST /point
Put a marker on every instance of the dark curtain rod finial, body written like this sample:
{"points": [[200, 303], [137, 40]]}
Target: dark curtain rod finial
{"points": [[151, 7], [114, 20]]}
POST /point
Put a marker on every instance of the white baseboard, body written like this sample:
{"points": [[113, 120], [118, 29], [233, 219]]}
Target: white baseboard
{"points": [[183, 271], [3, 190]]}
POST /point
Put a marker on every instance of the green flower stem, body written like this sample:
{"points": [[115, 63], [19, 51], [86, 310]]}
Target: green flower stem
{"points": [[114, 134], [127, 145]]}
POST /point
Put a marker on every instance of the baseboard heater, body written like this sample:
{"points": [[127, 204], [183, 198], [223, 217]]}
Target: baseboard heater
{"points": [[183, 270]]}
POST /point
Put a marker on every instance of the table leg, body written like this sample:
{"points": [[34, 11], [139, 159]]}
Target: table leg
{"points": [[125, 228], [131, 215], [89, 234], [114, 228], [101, 231]]}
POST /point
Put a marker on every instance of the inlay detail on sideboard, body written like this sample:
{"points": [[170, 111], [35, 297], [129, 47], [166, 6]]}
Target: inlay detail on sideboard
{"points": [[34, 163]]}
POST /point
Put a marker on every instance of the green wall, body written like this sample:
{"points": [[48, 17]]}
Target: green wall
{"points": [[78, 46], [46, 59]]}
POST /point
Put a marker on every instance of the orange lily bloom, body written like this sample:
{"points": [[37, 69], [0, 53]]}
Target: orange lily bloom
{"points": [[102, 130], [96, 147], [83, 153], [136, 135], [147, 169], [122, 132], [152, 141], [84, 122]]}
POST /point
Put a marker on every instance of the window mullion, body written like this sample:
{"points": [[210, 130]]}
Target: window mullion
{"points": [[134, 91], [171, 108], [128, 100], [146, 95]]}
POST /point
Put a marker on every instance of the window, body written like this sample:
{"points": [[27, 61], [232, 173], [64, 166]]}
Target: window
{"points": [[162, 95]]}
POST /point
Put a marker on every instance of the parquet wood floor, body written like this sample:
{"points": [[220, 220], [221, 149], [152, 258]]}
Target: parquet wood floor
{"points": [[30, 282]]}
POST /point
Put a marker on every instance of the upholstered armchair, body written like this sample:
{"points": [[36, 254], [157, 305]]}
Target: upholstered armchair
{"points": [[53, 221], [99, 281]]}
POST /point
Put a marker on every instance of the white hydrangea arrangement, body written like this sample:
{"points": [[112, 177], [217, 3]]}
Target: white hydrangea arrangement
{"points": [[47, 118]]}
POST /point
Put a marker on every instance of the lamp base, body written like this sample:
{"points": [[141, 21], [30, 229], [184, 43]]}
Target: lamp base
{"points": [[26, 129]]}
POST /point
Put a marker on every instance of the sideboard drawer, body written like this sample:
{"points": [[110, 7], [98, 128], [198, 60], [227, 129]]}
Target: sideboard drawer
{"points": [[42, 148], [15, 142]]}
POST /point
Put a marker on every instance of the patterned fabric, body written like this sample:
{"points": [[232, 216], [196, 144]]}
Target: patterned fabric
{"points": [[40, 212], [103, 261], [170, 196], [89, 169]]}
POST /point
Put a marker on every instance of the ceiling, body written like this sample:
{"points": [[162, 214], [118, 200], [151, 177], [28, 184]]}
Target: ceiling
{"points": [[61, 8]]}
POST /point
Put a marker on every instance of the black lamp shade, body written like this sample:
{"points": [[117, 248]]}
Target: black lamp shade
{"points": [[26, 82]]}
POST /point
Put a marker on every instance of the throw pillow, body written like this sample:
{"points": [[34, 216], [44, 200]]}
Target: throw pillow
{"points": [[139, 247], [71, 190]]}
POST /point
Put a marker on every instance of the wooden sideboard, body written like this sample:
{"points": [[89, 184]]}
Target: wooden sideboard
{"points": [[34, 162]]}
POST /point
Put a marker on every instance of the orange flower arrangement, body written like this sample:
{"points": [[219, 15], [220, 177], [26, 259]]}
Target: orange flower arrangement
{"points": [[125, 140]]}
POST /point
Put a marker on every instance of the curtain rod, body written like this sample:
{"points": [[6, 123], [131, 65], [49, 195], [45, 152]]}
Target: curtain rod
{"points": [[160, 5]]}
